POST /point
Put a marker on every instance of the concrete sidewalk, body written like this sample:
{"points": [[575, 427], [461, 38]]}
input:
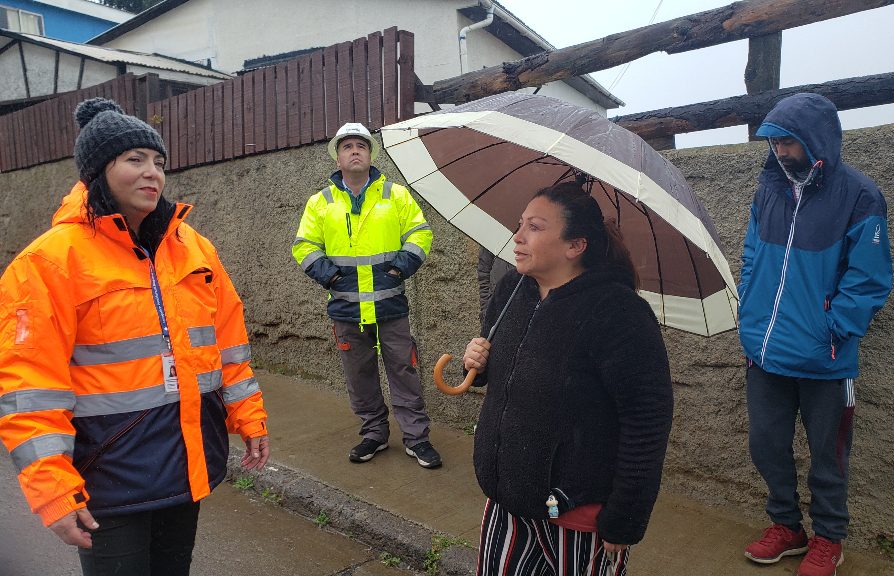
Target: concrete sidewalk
{"points": [[395, 505]]}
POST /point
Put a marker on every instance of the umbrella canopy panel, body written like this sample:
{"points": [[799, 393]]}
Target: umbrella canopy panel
{"points": [[479, 164]]}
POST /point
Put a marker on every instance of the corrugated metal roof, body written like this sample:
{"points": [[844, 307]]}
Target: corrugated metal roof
{"points": [[120, 56]]}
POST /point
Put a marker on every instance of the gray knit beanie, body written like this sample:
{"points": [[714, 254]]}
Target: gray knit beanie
{"points": [[106, 132]]}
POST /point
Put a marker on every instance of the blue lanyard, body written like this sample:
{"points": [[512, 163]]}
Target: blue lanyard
{"points": [[156, 297]]}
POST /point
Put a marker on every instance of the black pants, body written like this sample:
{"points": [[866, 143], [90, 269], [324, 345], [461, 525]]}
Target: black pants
{"points": [[826, 409], [154, 543]]}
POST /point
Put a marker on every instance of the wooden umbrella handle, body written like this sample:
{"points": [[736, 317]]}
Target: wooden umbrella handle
{"points": [[443, 386]]}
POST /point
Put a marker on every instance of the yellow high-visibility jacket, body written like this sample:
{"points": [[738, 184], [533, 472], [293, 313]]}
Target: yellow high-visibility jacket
{"points": [[358, 250]]}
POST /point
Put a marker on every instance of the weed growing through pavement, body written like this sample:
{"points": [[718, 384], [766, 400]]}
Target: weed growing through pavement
{"points": [[440, 543], [389, 560], [322, 519], [469, 429], [271, 496], [245, 482], [886, 543]]}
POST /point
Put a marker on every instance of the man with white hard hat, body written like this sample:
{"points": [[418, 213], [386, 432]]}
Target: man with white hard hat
{"points": [[360, 238]]}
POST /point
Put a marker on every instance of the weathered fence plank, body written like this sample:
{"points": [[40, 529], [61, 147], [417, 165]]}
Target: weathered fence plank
{"points": [[374, 73], [389, 75]]}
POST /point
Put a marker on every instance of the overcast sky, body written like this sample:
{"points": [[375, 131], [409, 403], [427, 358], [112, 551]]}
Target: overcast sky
{"points": [[855, 45]]}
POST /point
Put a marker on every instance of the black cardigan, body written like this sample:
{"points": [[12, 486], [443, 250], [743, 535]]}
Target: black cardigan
{"points": [[579, 398]]}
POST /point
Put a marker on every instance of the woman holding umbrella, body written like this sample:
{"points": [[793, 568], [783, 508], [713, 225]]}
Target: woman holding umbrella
{"points": [[573, 431]]}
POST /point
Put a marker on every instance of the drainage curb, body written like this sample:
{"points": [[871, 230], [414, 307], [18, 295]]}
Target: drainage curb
{"points": [[378, 528]]}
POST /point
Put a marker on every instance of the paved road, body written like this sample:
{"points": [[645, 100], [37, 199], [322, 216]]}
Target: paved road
{"points": [[238, 535]]}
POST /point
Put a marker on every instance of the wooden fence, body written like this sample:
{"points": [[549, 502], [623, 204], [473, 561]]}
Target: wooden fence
{"points": [[301, 101], [46, 131]]}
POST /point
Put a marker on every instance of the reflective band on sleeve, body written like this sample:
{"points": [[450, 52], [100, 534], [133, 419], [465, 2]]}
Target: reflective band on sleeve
{"points": [[423, 226], [414, 249], [299, 240], [119, 351], [210, 381], [236, 354], [39, 447], [202, 336], [327, 194], [363, 260], [35, 401], [368, 296], [120, 402], [240, 390], [386, 190], [308, 260]]}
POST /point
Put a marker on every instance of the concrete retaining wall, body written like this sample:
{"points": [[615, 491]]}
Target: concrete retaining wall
{"points": [[250, 209]]}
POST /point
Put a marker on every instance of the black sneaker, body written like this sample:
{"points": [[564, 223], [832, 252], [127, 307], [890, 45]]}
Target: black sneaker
{"points": [[365, 451], [425, 454]]}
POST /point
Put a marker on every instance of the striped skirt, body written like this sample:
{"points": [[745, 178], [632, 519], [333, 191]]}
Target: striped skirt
{"points": [[515, 546]]}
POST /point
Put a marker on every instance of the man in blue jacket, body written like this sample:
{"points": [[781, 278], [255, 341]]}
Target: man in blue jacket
{"points": [[816, 267]]}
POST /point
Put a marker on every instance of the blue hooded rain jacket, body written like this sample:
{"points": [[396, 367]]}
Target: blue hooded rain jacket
{"points": [[817, 262]]}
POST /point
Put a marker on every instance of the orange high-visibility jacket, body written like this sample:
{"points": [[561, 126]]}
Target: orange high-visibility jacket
{"points": [[83, 408]]}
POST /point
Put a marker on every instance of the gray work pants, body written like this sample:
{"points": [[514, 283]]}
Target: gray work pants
{"points": [[356, 345]]}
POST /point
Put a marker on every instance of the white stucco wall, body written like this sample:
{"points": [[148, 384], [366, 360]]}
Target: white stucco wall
{"points": [[228, 32], [40, 64], [13, 85], [186, 32]]}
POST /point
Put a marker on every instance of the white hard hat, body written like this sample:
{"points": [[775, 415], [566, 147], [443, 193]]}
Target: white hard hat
{"points": [[357, 130]]}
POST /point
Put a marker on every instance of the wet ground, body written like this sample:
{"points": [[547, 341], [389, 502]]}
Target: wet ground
{"points": [[239, 534]]}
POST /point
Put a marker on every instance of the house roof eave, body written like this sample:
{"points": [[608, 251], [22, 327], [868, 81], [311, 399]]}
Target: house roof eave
{"points": [[509, 29], [135, 22]]}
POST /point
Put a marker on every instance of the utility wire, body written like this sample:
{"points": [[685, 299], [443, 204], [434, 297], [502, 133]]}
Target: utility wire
{"points": [[626, 66]]}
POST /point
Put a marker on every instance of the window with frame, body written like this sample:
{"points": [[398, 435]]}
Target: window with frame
{"points": [[21, 21]]}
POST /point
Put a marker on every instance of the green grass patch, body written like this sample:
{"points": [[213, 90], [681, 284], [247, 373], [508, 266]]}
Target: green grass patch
{"points": [[440, 543], [886, 544], [322, 519], [244, 482], [389, 560]]}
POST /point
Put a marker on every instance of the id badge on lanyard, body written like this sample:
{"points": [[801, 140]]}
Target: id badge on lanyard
{"points": [[168, 365], [169, 371]]}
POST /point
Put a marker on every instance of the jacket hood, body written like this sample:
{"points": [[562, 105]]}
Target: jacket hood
{"points": [[73, 210], [74, 206], [813, 120]]}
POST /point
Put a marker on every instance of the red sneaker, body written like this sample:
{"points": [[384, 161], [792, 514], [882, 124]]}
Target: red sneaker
{"points": [[823, 559], [777, 541]]}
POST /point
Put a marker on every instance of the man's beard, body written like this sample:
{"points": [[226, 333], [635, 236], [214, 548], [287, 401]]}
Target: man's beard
{"points": [[795, 166]]}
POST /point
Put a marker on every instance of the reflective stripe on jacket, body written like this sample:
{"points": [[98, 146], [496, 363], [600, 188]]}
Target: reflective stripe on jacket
{"points": [[390, 232], [82, 399]]}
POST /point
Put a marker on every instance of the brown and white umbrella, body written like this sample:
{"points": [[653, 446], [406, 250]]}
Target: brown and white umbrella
{"points": [[479, 165]]}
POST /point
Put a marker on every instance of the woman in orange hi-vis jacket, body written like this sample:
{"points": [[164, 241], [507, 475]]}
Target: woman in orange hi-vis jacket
{"points": [[124, 360]]}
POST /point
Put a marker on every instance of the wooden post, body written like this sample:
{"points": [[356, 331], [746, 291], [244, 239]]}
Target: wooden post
{"points": [[762, 70]]}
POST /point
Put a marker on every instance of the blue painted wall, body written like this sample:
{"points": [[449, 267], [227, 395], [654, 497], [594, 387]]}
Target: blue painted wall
{"points": [[63, 24]]}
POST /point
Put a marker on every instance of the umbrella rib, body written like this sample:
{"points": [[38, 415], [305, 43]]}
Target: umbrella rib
{"points": [[658, 264], [698, 282], [506, 175]]}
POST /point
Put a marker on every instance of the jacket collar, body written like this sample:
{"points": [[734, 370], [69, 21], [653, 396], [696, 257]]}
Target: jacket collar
{"points": [[73, 210]]}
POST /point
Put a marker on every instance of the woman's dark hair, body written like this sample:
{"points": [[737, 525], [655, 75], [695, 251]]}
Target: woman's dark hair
{"points": [[100, 202], [583, 219]]}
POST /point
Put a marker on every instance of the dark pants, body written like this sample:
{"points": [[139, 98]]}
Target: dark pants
{"points": [[826, 408], [154, 543], [357, 349]]}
